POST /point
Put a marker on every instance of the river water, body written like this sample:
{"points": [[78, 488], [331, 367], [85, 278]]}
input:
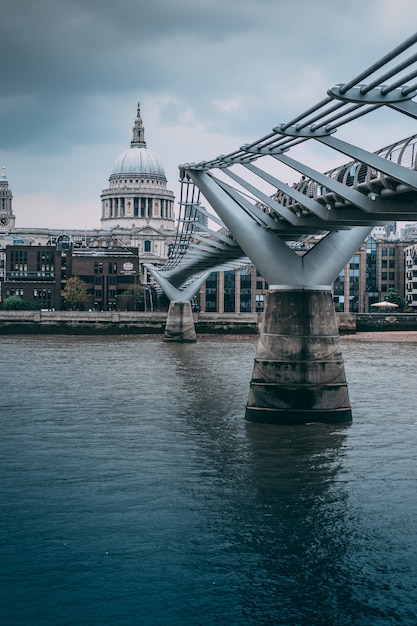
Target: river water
{"points": [[133, 491]]}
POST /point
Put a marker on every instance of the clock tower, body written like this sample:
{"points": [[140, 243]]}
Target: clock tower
{"points": [[7, 219]]}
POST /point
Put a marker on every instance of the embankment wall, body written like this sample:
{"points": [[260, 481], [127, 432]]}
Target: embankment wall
{"points": [[153, 323]]}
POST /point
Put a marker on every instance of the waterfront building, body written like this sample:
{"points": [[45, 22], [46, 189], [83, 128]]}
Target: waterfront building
{"points": [[34, 274], [110, 277], [234, 291], [137, 211], [411, 275], [377, 267]]}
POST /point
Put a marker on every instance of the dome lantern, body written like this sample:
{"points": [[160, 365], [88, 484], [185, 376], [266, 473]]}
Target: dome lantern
{"points": [[138, 140], [138, 160]]}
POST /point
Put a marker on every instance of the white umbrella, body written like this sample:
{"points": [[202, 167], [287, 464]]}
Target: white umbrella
{"points": [[385, 305]]}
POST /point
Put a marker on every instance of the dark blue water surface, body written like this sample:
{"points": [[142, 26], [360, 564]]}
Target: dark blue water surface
{"points": [[133, 491]]}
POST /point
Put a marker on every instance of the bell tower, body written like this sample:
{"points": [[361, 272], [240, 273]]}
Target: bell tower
{"points": [[7, 219]]}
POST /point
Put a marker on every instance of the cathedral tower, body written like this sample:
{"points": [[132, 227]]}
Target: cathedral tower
{"points": [[7, 219]]}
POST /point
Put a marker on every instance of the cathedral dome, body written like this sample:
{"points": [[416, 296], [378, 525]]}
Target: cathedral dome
{"points": [[137, 195], [138, 161]]}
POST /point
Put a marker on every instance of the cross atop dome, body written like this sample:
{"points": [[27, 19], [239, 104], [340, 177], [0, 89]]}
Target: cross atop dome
{"points": [[3, 173], [138, 140]]}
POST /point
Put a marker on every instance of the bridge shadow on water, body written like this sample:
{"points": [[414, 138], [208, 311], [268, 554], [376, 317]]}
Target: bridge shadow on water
{"points": [[277, 522]]}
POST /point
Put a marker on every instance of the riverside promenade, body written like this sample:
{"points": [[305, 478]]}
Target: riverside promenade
{"points": [[121, 322], [153, 323]]}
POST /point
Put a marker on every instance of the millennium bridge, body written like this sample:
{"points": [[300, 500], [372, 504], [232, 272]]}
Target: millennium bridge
{"points": [[299, 374]]}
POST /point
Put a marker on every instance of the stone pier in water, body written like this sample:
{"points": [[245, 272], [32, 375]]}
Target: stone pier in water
{"points": [[180, 323], [299, 373]]}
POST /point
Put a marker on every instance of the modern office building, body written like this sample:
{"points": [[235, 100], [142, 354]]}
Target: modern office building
{"points": [[411, 275], [377, 267]]}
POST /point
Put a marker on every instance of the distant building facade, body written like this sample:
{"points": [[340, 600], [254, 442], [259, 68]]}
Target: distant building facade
{"points": [[137, 211], [235, 291], [110, 277], [137, 226], [7, 219], [377, 267], [34, 274], [411, 275]]}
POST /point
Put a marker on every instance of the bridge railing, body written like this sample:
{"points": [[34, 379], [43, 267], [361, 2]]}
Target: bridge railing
{"points": [[358, 175]]}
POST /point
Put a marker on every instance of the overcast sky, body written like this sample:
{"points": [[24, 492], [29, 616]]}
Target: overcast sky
{"points": [[210, 75]]}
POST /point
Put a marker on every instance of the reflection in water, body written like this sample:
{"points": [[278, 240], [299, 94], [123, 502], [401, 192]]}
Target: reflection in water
{"points": [[303, 533], [134, 492], [281, 520]]}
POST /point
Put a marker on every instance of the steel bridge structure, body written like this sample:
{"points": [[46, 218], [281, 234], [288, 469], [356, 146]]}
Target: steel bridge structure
{"points": [[298, 374]]}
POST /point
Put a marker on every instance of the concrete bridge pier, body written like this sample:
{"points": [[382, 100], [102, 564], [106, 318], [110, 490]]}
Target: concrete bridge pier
{"points": [[179, 326], [299, 375], [180, 323]]}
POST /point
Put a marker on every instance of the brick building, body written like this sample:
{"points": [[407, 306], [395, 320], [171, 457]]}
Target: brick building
{"points": [[38, 275], [111, 277], [33, 273]]}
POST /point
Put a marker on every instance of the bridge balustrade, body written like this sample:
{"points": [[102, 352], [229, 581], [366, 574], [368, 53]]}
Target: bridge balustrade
{"points": [[355, 174]]}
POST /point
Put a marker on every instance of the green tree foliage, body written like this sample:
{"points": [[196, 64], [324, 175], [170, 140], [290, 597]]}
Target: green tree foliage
{"points": [[75, 293], [393, 296], [133, 298], [16, 303]]}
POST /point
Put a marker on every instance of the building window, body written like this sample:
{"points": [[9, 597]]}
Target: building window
{"points": [[211, 293], [45, 261], [98, 268], [260, 298], [147, 245], [245, 291], [18, 261], [229, 291], [112, 267]]}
